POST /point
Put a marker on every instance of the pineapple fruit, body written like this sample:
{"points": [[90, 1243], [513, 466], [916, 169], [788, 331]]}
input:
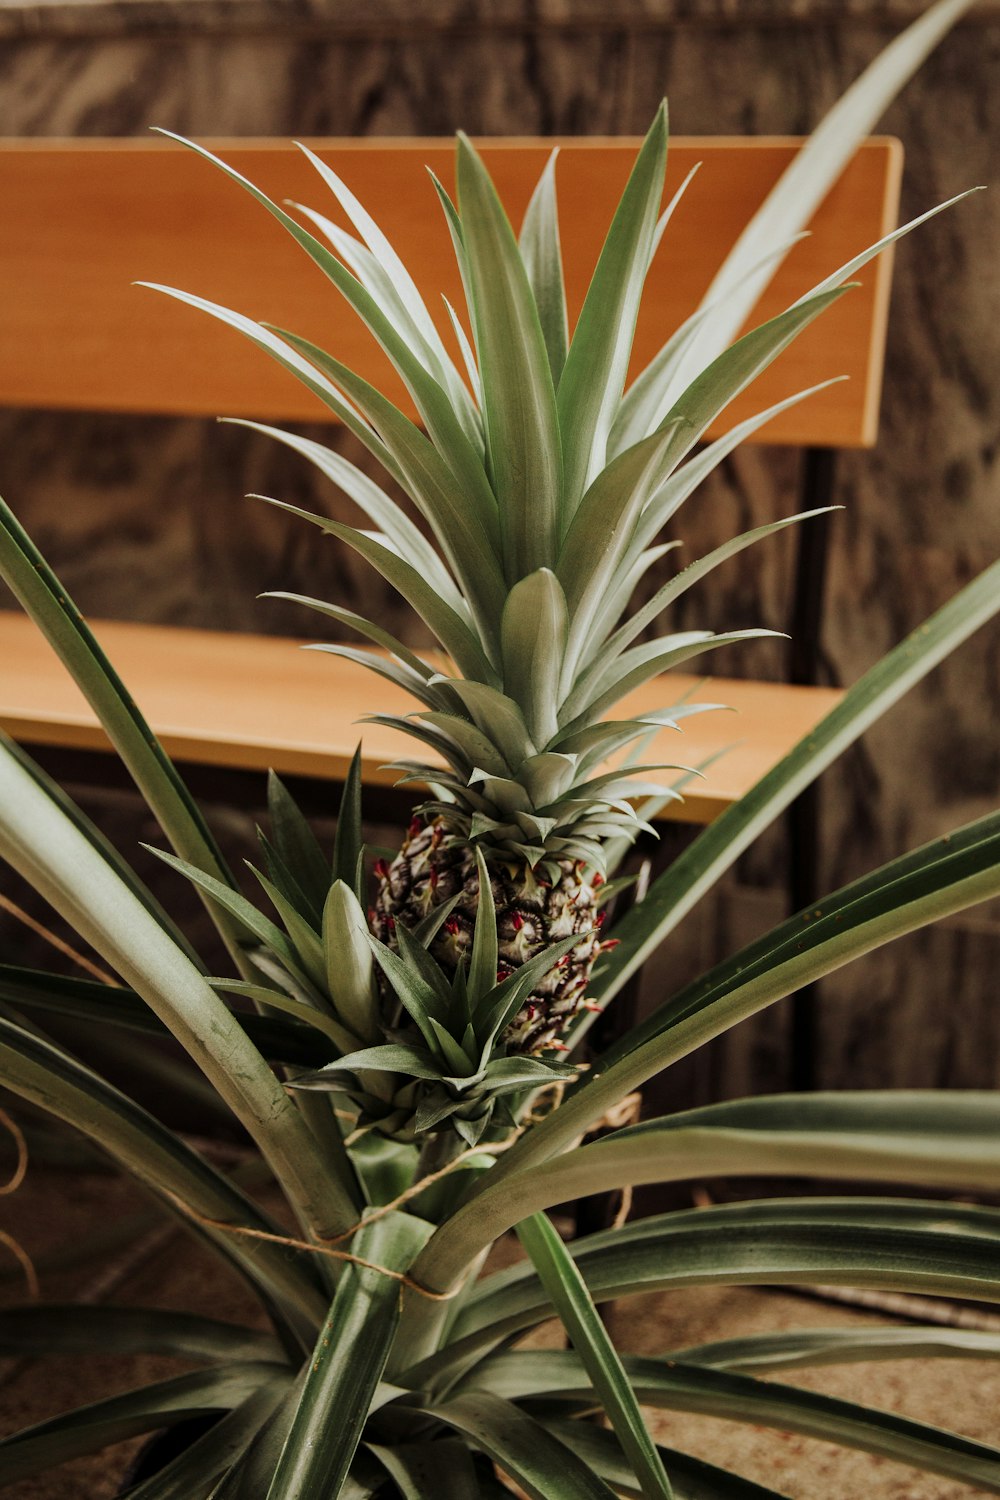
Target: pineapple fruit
{"points": [[546, 486], [536, 906]]}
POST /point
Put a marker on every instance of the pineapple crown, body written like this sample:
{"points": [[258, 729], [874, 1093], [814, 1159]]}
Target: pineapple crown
{"points": [[545, 485]]}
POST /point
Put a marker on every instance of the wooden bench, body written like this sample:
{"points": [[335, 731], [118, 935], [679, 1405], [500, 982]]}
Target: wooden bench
{"points": [[83, 219]]}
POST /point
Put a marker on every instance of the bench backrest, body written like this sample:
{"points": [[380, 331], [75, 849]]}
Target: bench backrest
{"points": [[84, 219]]}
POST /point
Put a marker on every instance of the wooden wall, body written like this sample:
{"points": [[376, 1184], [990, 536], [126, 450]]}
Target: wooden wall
{"points": [[145, 518]]}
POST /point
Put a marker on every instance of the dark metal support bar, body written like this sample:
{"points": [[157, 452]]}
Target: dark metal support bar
{"points": [[804, 659]]}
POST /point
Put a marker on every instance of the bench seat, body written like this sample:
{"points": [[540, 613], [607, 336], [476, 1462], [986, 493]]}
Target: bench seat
{"points": [[252, 703]]}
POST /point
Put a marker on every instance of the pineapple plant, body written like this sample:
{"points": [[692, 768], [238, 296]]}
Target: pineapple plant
{"points": [[390, 1373], [546, 487]]}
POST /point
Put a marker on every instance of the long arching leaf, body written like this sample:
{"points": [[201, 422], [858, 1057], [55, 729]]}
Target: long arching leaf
{"points": [[895, 1243], [347, 1364], [935, 1139], [32, 582], [738, 1398], [75, 1328], [898, 898], [45, 847], [89, 1428], [717, 847], [543, 1466], [802, 187], [568, 1293], [431, 400], [54, 1081]]}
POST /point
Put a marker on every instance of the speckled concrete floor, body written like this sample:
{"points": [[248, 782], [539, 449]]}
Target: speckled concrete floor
{"points": [[63, 1208]]}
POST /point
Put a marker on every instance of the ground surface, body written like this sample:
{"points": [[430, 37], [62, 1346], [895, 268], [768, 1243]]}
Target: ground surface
{"points": [[64, 1210]]}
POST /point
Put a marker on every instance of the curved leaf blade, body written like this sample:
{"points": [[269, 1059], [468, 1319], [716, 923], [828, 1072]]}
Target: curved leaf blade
{"points": [[597, 363], [519, 401], [568, 1293], [541, 252], [33, 583], [545, 1467], [347, 1365], [89, 1428]]}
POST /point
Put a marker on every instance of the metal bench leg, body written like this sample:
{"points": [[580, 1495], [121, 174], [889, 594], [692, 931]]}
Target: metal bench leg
{"points": [[804, 657]]}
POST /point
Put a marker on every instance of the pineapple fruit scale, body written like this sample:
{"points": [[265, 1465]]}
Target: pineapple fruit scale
{"points": [[534, 909]]}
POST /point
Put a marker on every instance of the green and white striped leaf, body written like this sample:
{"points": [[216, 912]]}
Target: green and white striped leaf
{"points": [[78, 1329], [568, 1293], [629, 577], [808, 1348], [347, 1364], [738, 1398], [594, 375], [692, 574], [544, 1467], [802, 187], [431, 400], [596, 693], [467, 539], [648, 398], [934, 1139], [33, 583], [686, 480], [944, 1139], [717, 847], [541, 253], [735, 368], [177, 1175], [519, 403], [368, 628], [916, 1246], [533, 631], [372, 499], [692, 1478], [103, 845], [449, 627], [60, 863], [386, 280], [267, 340], [598, 536], [413, 683], [89, 1428]]}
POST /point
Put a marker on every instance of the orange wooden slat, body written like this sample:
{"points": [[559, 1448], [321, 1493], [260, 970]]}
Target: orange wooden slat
{"points": [[85, 219], [256, 702]]}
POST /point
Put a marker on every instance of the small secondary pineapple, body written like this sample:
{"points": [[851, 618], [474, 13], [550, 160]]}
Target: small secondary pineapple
{"points": [[546, 486]]}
